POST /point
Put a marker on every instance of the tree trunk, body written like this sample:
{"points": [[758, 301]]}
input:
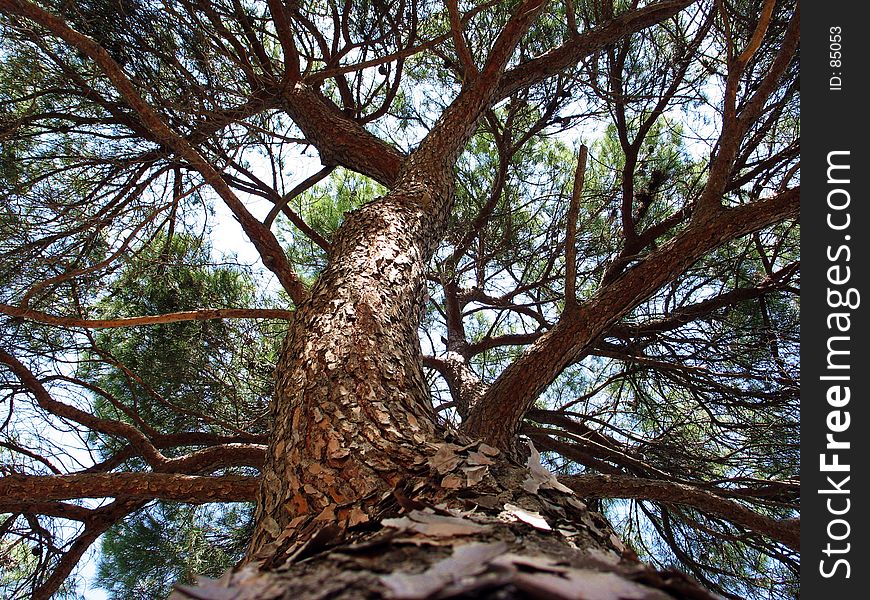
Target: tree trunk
{"points": [[364, 496], [469, 525], [352, 412]]}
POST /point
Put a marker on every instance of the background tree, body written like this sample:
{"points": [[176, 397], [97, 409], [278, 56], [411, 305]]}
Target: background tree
{"points": [[565, 223]]}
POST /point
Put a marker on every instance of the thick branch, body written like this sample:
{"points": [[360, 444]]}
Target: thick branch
{"points": [[339, 139], [496, 417], [544, 441], [579, 47], [285, 37], [619, 486], [464, 384], [590, 445], [26, 489], [508, 339], [735, 124], [441, 147], [462, 51], [246, 450], [204, 314], [101, 519], [692, 312], [61, 510], [213, 457]]}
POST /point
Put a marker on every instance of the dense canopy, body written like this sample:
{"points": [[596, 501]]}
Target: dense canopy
{"points": [[568, 223]]}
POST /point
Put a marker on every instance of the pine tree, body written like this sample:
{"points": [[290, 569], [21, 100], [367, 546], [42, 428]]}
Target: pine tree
{"points": [[538, 301]]}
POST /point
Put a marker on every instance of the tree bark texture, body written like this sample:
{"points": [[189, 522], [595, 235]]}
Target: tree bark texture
{"points": [[476, 527], [351, 412], [352, 415]]}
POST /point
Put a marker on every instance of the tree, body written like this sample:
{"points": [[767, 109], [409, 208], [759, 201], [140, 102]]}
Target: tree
{"points": [[565, 227], [220, 381]]}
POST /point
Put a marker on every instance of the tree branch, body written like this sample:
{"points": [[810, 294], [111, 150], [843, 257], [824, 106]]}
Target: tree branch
{"points": [[464, 384], [786, 531], [61, 510], [579, 47], [571, 231], [204, 314], [264, 241], [285, 37], [497, 416], [97, 524], [25, 489], [462, 51], [339, 139], [213, 457], [107, 426], [441, 147], [735, 124], [692, 312]]}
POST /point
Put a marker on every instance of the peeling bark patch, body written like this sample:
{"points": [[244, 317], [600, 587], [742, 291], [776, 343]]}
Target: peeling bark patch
{"points": [[583, 584], [474, 475], [434, 525], [539, 476], [451, 576], [470, 542], [245, 585], [532, 518], [352, 415], [445, 459], [544, 577], [474, 567]]}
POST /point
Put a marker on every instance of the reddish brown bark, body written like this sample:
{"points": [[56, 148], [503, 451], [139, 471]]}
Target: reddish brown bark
{"points": [[18, 490], [498, 414], [204, 314], [352, 415]]}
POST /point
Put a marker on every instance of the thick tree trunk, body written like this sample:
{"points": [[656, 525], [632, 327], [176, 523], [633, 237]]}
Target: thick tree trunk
{"points": [[364, 496], [352, 414], [481, 533], [352, 417]]}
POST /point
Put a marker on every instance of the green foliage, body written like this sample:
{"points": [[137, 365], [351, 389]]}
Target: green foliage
{"points": [[323, 208], [207, 376], [210, 375], [17, 563], [166, 543]]}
